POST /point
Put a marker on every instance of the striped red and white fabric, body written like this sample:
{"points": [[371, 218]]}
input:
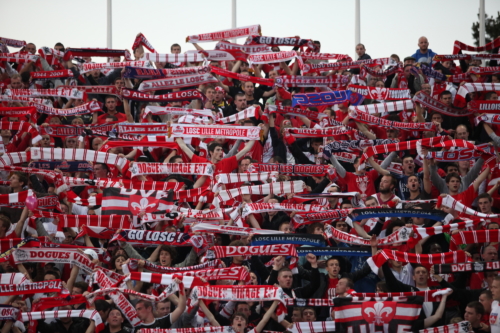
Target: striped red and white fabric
{"points": [[13, 278], [429, 259], [386, 107], [428, 295], [461, 327], [232, 230], [42, 315], [421, 233], [58, 92], [473, 87], [450, 202], [263, 207], [146, 168], [313, 327], [132, 266], [113, 65], [123, 183], [206, 329], [191, 119], [15, 198], [273, 188], [173, 58], [76, 221], [162, 110], [250, 112], [474, 237], [22, 127], [231, 178]]}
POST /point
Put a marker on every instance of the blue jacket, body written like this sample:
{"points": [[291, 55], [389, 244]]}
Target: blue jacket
{"points": [[424, 57]]}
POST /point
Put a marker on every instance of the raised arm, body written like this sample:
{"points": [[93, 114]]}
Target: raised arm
{"points": [[126, 107], [245, 150], [340, 169], [181, 306], [185, 148], [260, 326], [481, 178], [377, 167]]}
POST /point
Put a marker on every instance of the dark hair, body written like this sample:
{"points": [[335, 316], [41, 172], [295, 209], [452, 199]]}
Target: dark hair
{"points": [[350, 283], [172, 251], [240, 314], [23, 178], [102, 305], [286, 102], [175, 44], [394, 181], [452, 175], [147, 304], [487, 293], [84, 286], [213, 145], [313, 226], [485, 195], [104, 165], [395, 223], [53, 272], [409, 58], [478, 307], [245, 158], [61, 45], [239, 94], [110, 96], [489, 94], [446, 92], [173, 158], [113, 118], [284, 269], [277, 159], [382, 285]]}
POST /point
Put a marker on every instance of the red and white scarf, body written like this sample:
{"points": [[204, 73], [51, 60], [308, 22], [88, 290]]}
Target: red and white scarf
{"points": [[15, 198], [382, 108], [231, 230], [12, 42], [177, 82], [140, 39], [281, 41], [381, 93], [421, 233], [311, 81], [457, 46], [49, 286], [206, 329], [241, 77], [217, 252], [270, 57], [161, 110], [42, 315], [123, 183], [461, 327], [22, 127], [254, 48], [144, 168], [323, 67], [98, 90], [324, 56], [224, 34], [76, 221], [58, 92], [485, 106], [19, 58], [377, 121], [231, 178], [445, 57], [428, 295], [87, 67], [51, 75], [402, 235], [380, 258], [318, 132], [380, 73], [450, 202], [473, 87], [89, 107], [263, 207], [17, 111], [240, 293], [474, 237], [133, 265], [250, 112], [215, 131], [273, 188], [303, 170], [313, 327]]}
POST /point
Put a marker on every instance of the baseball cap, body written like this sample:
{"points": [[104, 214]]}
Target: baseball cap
{"points": [[91, 253]]}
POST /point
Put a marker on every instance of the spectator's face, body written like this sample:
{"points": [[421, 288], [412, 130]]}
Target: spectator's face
{"points": [[341, 287], [341, 226], [165, 258], [426, 88], [308, 315], [31, 48], [360, 50], [14, 182], [285, 279], [495, 290], [484, 205], [76, 291], [420, 275], [244, 308], [16, 83], [437, 117], [48, 277], [239, 324], [490, 254], [210, 93], [45, 141], [413, 184], [423, 44], [493, 97], [446, 99], [296, 316], [462, 133], [380, 84], [286, 228], [370, 203], [244, 164], [163, 309], [219, 95], [486, 302], [100, 171], [333, 268], [408, 165], [142, 312], [70, 143], [111, 104], [454, 184], [240, 102], [96, 143], [176, 49], [115, 318], [253, 279], [119, 84], [471, 316], [435, 248]]}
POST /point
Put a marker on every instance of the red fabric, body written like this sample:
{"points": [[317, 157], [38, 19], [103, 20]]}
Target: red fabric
{"points": [[330, 291], [226, 165], [365, 185], [102, 118], [466, 197]]}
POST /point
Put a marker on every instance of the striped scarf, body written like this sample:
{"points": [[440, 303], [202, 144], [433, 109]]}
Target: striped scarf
{"points": [[145, 168], [433, 104], [216, 131], [297, 112], [420, 233], [160, 110], [380, 258], [22, 127], [450, 202], [231, 230], [88, 67], [381, 93], [250, 112], [251, 48], [241, 77], [381, 73], [86, 108], [271, 57], [262, 207], [59, 92], [473, 87], [177, 82], [206, 329], [382, 108], [48, 286], [95, 52], [225, 34], [492, 107], [51, 75], [273, 188], [317, 132], [123, 183], [313, 327], [303, 170], [42, 315], [311, 81], [474, 237], [184, 95], [140, 39], [376, 121], [428, 295], [76, 221], [147, 73], [132, 266], [461, 327], [17, 111], [323, 67], [458, 46]]}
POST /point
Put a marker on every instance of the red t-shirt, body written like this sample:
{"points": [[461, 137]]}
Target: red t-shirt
{"points": [[330, 291], [120, 116], [466, 197], [365, 185], [227, 165]]}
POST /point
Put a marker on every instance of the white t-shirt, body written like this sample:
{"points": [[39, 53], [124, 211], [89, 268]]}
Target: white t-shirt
{"points": [[494, 320]]}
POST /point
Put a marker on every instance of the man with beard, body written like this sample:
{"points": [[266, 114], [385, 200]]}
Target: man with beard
{"points": [[415, 191]]}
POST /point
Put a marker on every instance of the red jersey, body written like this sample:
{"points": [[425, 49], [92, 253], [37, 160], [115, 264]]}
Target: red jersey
{"points": [[365, 184], [226, 165]]}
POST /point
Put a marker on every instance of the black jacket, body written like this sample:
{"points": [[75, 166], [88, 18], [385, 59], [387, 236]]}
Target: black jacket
{"points": [[300, 292]]}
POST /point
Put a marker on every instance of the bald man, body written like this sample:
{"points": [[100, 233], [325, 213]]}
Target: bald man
{"points": [[424, 53]]}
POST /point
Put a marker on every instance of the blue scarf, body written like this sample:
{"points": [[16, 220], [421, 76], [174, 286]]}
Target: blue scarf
{"points": [[327, 98], [352, 146], [299, 239], [436, 215], [142, 73], [333, 251], [64, 166]]}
